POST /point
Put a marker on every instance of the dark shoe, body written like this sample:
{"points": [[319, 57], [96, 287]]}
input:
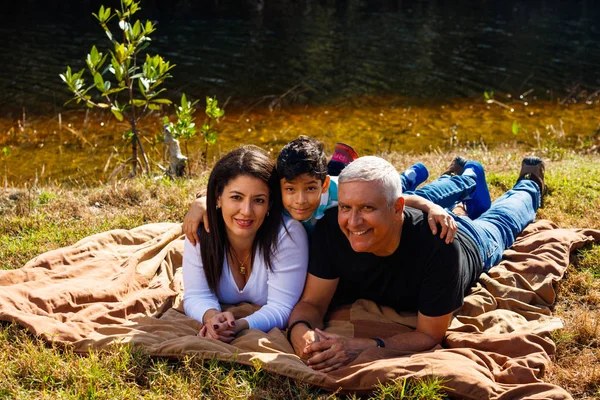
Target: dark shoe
{"points": [[457, 166], [479, 201], [533, 168], [343, 155]]}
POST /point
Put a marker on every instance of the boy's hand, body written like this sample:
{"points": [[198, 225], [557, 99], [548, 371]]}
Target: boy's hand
{"points": [[196, 214], [438, 216]]}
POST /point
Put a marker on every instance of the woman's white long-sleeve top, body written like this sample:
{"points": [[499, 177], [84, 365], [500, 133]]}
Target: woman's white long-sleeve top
{"points": [[277, 291]]}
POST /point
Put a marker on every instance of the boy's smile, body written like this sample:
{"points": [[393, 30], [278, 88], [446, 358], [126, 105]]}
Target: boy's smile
{"points": [[301, 196]]}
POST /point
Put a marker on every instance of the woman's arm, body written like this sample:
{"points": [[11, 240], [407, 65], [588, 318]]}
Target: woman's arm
{"points": [[285, 281], [197, 296]]}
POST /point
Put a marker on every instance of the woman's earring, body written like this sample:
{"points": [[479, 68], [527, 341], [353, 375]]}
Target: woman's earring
{"points": [[267, 213], [217, 207]]}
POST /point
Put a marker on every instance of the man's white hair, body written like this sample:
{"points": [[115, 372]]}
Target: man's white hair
{"points": [[371, 168]]}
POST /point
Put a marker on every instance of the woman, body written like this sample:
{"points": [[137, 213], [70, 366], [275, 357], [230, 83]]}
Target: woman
{"points": [[254, 255]]}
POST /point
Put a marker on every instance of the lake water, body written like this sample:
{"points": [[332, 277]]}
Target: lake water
{"points": [[305, 58], [246, 49]]}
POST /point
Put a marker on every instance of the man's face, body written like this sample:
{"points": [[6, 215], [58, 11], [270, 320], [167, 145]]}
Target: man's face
{"points": [[366, 220], [302, 195]]}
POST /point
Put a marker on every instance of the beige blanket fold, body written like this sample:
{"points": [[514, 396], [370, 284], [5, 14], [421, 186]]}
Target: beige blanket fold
{"points": [[126, 287]]}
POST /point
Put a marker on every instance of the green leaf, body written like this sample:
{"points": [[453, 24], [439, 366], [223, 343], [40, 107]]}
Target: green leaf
{"points": [[5, 151], [211, 138], [120, 53], [515, 128], [94, 55], [154, 107], [162, 101], [100, 15], [128, 136], [142, 83], [138, 102], [149, 28], [114, 90], [103, 105], [136, 29], [117, 113], [98, 81]]}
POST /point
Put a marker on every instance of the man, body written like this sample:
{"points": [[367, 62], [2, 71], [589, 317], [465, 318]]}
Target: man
{"points": [[373, 247]]}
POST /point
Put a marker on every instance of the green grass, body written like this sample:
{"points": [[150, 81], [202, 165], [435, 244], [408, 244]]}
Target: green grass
{"points": [[37, 220]]}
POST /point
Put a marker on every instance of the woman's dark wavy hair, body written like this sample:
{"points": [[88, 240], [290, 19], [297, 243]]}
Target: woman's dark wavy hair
{"points": [[246, 161]]}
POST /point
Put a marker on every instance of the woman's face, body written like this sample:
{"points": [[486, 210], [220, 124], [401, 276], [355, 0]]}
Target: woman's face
{"points": [[244, 204]]}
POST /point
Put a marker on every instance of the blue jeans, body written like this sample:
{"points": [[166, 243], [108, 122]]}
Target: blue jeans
{"points": [[495, 230], [446, 191]]}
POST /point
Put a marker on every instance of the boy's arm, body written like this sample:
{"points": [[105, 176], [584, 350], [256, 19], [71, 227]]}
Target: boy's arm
{"points": [[435, 215], [196, 214]]}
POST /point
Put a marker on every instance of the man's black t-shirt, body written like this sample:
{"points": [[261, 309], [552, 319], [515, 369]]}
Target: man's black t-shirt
{"points": [[424, 273]]}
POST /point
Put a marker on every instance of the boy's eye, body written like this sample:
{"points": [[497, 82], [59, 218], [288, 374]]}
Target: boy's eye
{"points": [[311, 188]]}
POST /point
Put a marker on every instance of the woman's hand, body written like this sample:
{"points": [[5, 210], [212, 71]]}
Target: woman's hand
{"points": [[220, 326], [196, 214], [437, 215]]}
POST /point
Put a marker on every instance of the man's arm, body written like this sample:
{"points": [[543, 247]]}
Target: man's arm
{"points": [[429, 333], [334, 351], [435, 215], [311, 308]]}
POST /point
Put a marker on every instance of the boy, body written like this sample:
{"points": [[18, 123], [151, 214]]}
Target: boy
{"points": [[307, 190]]}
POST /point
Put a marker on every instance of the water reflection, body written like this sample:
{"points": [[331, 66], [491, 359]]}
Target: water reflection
{"points": [[87, 147], [431, 50]]}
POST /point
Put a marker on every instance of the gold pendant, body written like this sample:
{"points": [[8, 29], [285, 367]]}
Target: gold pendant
{"points": [[242, 270]]}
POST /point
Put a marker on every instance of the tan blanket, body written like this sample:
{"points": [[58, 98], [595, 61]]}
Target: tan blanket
{"points": [[125, 286]]}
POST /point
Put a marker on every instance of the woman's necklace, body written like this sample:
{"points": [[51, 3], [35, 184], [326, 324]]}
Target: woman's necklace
{"points": [[242, 263]]}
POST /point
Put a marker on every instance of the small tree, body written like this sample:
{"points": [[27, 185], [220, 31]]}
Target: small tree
{"points": [[131, 91], [185, 127], [208, 131]]}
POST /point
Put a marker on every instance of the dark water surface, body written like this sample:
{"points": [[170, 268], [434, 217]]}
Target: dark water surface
{"points": [[381, 75], [429, 50]]}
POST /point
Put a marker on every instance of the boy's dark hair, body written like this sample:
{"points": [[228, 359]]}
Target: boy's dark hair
{"points": [[302, 156]]}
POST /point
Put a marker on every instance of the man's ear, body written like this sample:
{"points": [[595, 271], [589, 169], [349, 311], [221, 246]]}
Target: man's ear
{"points": [[326, 183], [399, 205]]}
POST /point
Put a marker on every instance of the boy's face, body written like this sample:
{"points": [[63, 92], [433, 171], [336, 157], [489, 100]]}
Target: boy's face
{"points": [[302, 195]]}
